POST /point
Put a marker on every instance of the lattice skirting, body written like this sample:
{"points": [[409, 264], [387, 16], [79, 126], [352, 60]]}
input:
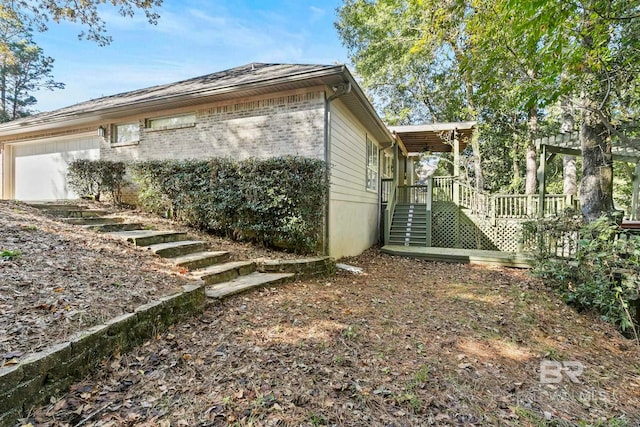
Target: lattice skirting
{"points": [[453, 227]]}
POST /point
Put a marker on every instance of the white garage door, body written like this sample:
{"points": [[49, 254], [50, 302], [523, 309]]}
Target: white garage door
{"points": [[41, 168]]}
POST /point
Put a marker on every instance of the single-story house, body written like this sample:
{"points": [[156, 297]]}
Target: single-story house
{"points": [[256, 110]]}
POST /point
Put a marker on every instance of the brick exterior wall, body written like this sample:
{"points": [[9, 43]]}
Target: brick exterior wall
{"points": [[291, 124]]}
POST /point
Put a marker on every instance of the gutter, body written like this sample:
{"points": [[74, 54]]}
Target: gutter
{"points": [[340, 90], [98, 112]]}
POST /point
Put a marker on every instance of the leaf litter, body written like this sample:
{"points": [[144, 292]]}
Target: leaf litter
{"points": [[408, 343]]}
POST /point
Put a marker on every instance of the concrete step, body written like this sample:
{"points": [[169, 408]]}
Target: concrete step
{"points": [[179, 248], [110, 228], [150, 237], [92, 220], [224, 272], [245, 283], [200, 259]]}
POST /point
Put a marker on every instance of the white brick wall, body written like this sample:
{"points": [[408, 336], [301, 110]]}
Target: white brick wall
{"points": [[263, 128]]}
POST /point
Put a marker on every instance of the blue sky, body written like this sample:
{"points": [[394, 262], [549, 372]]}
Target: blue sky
{"points": [[192, 38]]}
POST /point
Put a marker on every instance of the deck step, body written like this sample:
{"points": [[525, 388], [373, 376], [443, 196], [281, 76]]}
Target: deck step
{"points": [[93, 220], [471, 256], [224, 272], [110, 228], [150, 237], [421, 242], [197, 260], [179, 248], [245, 283]]}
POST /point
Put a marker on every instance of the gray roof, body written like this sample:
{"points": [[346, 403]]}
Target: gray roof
{"points": [[247, 80]]}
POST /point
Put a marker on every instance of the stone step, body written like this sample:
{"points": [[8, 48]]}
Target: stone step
{"points": [[92, 220], [110, 228], [150, 237], [79, 213], [176, 249], [224, 272], [54, 206], [245, 283], [200, 259]]}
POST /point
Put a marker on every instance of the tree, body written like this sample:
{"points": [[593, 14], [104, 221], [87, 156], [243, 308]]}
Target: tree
{"points": [[587, 51], [410, 55], [39, 13], [526, 56], [25, 70]]}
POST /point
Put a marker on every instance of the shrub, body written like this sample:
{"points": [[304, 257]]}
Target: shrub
{"points": [[92, 178], [275, 202], [602, 275]]}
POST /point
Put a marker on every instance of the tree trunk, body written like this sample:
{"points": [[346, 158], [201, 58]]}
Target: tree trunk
{"points": [[477, 160], [596, 186], [531, 181], [569, 168], [569, 176]]}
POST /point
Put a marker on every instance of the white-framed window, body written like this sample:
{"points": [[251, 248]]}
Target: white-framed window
{"points": [[172, 122], [372, 165], [124, 133]]}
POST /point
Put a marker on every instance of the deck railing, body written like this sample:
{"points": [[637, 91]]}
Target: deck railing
{"points": [[386, 187], [509, 206], [412, 194], [389, 211]]}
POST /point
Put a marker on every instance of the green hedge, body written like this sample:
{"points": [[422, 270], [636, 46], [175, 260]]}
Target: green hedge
{"points": [[92, 178], [276, 202]]}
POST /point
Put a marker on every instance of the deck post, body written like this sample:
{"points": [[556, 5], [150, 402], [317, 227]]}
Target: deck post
{"points": [[636, 194], [429, 208], [456, 168], [542, 184]]}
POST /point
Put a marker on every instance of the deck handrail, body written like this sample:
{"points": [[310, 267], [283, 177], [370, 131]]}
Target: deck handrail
{"points": [[388, 213], [385, 190]]}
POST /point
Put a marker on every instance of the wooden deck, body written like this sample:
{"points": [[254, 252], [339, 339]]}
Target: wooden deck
{"points": [[467, 256]]}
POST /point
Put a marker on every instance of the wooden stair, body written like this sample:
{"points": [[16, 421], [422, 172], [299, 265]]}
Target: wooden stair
{"points": [[409, 225]]}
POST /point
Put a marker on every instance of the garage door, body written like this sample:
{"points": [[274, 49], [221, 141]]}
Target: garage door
{"points": [[40, 169]]}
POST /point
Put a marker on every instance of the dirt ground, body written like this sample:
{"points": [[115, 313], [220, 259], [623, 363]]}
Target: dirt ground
{"points": [[407, 343], [57, 279]]}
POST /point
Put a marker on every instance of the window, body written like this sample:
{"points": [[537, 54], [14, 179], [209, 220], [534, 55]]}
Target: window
{"points": [[126, 133], [372, 166], [172, 122]]}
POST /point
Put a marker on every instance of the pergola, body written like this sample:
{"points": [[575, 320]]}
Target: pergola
{"points": [[569, 144], [435, 138]]}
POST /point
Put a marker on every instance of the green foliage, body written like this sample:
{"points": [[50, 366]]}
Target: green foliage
{"points": [[8, 254], [92, 178], [23, 66], [38, 13], [276, 202], [604, 273]]}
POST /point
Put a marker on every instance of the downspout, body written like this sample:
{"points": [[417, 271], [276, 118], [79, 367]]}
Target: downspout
{"points": [[340, 90]]}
